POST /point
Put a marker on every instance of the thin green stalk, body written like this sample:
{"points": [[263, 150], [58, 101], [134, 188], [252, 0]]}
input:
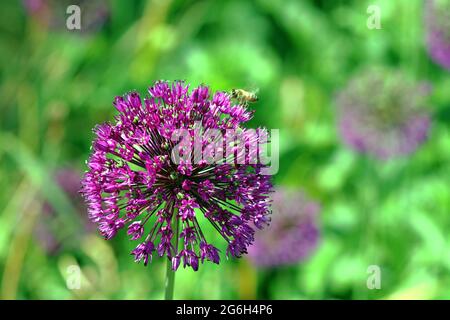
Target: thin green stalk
{"points": [[170, 274], [170, 281]]}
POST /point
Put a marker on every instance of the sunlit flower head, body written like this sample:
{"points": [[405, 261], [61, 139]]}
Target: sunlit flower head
{"points": [[133, 182], [293, 234], [382, 113]]}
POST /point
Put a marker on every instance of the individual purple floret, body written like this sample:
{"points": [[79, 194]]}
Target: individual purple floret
{"points": [[293, 234], [437, 30], [133, 182], [381, 113]]}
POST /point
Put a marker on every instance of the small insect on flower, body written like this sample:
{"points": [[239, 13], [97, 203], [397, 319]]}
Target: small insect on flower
{"points": [[243, 96]]}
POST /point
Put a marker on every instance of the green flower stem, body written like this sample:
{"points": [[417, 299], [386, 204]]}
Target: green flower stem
{"points": [[170, 281], [170, 274]]}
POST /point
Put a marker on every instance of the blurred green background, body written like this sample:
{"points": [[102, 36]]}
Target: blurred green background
{"points": [[56, 84]]}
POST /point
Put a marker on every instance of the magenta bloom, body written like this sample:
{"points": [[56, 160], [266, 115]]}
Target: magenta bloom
{"points": [[293, 234], [437, 28], [381, 113], [133, 182]]}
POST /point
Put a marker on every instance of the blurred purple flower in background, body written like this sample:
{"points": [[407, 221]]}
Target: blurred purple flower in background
{"points": [[133, 184], [437, 28], [293, 234], [381, 113], [68, 179], [53, 13]]}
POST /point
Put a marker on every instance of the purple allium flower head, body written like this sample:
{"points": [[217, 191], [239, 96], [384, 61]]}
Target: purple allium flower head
{"points": [[381, 113], [133, 182], [293, 234], [437, 28]]}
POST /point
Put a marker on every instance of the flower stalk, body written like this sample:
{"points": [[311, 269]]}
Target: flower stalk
{"points": [[170, 273]]}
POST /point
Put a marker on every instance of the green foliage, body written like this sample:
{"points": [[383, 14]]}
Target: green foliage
{"points": [[56, 85]]}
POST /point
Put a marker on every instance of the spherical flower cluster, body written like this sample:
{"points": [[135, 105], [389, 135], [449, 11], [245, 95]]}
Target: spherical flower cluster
{"points": [[437, 29], [133, 182], [293, 234], [381, 113]]}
